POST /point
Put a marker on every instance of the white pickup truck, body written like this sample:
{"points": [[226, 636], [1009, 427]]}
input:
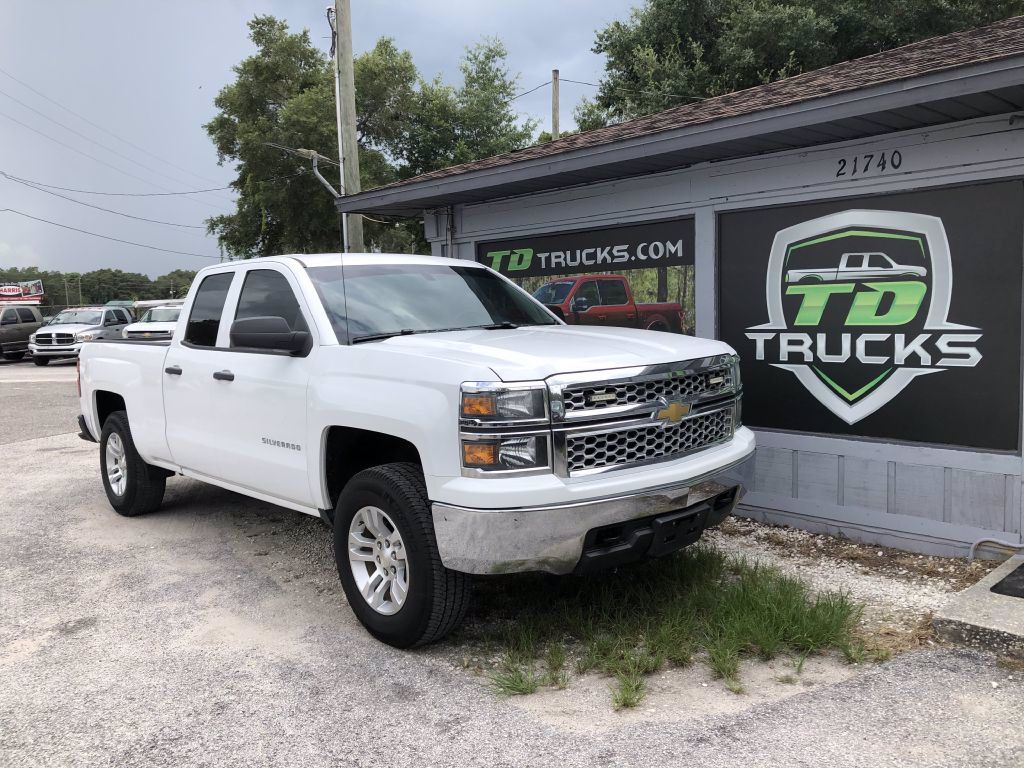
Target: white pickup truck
{"points": [[437, 417]]}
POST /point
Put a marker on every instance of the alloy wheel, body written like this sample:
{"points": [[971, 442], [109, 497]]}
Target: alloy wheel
{"points": [[376, 554]]}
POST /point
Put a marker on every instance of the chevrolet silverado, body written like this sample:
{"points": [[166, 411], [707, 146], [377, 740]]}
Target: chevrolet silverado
{"points": [[437, 417]]}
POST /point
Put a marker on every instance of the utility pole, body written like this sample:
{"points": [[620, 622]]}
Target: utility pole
{"points": [[345, 108], [554, 103]]}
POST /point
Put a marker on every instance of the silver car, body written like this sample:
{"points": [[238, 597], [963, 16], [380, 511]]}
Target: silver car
{"points": [[64, 335]]}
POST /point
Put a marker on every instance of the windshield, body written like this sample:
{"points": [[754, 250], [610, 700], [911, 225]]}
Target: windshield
{"points": [[76, 316], [161, 315], [397, 298], [553, 293]]}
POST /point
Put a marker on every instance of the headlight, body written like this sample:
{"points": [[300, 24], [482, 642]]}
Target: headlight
{"points": [[124, 333], [505, 452], [85, 336], [31, 337], [484, 402]]}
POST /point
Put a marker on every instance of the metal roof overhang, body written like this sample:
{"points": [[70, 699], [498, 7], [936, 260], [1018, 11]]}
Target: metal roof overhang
{"points": [[965, 93]]}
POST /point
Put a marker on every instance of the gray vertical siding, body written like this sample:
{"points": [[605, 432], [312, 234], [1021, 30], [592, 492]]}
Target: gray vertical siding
{"points": [[919, 498]]}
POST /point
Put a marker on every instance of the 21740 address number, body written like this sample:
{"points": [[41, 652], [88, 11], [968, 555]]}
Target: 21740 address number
{"points": [[858, 165]]}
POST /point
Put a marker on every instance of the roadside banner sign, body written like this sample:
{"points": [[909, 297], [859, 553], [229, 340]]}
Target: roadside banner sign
{"points": [[26, 292]]}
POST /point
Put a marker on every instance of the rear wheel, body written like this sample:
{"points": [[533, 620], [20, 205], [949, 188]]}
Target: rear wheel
{"points": [[657, 326], [388, 562], [133, 487], [41, 360]]}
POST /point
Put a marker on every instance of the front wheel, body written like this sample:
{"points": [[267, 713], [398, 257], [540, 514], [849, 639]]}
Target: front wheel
{"points": [[133, 486], [41, 360], [13, 355], [388, 562]]}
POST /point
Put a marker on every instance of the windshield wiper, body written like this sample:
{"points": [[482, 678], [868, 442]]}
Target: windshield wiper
{"points": [[504, 324], [407, 332], [379, 336]]}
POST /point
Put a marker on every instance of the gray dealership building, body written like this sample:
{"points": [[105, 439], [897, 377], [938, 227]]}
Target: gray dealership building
{"points": [[856, 233]]}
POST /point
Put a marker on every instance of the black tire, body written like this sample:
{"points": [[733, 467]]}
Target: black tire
{"points": [[144, 486], [13, 355], [438, 597], [41, 360], [657, 326]]}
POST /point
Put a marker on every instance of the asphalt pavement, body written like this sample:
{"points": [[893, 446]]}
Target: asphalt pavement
{"points": [[214, 633]]}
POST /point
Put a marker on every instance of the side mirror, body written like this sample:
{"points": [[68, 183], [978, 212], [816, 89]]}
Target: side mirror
{"points": [[272, 333], [580, 304]]}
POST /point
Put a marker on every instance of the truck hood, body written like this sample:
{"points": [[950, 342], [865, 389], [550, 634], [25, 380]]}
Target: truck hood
{"points": [[69, 328], [536, 352], [162, 327]]}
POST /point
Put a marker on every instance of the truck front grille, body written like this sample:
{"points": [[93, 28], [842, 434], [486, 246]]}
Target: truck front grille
{"points": [[684, 387], [55, 339], [637, 445], [151, 335]]}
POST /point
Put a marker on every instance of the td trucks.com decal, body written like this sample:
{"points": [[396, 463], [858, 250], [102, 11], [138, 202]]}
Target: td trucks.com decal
{"points": [[892, 317], [858, 305], [637, 246]]}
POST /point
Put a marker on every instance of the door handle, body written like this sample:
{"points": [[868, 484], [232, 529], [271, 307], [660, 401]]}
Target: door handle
{"points": [[173, 370], [223, 375]]}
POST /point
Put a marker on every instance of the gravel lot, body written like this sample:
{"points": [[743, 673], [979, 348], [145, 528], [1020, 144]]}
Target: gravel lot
{"points": [[214, 633]]}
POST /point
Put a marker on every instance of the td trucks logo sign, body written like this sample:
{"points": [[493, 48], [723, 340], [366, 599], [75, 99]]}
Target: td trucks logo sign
{"points": [[664, 243], [858, 308]]}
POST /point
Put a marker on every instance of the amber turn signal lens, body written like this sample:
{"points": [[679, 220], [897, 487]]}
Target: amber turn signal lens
{"points": [[479, 454], [478, 405]]}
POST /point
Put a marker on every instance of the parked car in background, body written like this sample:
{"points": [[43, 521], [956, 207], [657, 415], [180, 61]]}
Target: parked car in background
{"points": [[606, 300], [64, 335], [441, 420], [156, 323], [16, 326]]}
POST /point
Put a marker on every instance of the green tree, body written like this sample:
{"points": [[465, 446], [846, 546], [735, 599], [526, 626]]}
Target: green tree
{"points": [[672, 51], [284, 94]]}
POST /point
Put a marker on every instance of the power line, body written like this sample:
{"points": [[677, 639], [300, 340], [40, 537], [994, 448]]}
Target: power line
{"points": [[102, 146], [300, 172], [101, 128], [30, 185], [524, 93], [107, 237], [94, 158], [631, 90]]}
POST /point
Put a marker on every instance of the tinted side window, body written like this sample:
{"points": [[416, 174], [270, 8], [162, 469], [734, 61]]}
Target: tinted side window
{"points": [[26, 315], [266, 293], [588, 291], [204, 320], [612, 292], [9, 316], [122, 315]]}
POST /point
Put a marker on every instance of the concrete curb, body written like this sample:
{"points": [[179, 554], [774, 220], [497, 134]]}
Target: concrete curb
{"points": [[979, 618]]}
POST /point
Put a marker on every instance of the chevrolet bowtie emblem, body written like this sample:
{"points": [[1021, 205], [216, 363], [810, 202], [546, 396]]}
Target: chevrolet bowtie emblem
{"points": [[673, 412]]}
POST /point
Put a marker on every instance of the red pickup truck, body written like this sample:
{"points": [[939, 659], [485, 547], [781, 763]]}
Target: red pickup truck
{"points": [[606, 300]]}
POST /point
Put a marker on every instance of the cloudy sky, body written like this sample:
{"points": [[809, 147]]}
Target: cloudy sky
{"points": [[113, 95]]}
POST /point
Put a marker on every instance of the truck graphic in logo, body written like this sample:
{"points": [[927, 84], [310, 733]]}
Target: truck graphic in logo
{"points": [[854, 266], [857, 334]]}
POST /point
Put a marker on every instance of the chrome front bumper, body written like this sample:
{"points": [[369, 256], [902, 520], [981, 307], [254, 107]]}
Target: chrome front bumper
{"points": [[551, 538], [48, 350]]}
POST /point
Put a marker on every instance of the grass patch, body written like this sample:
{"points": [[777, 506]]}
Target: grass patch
{"points": [[630, 623], [628, 691], [515, 678]]}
